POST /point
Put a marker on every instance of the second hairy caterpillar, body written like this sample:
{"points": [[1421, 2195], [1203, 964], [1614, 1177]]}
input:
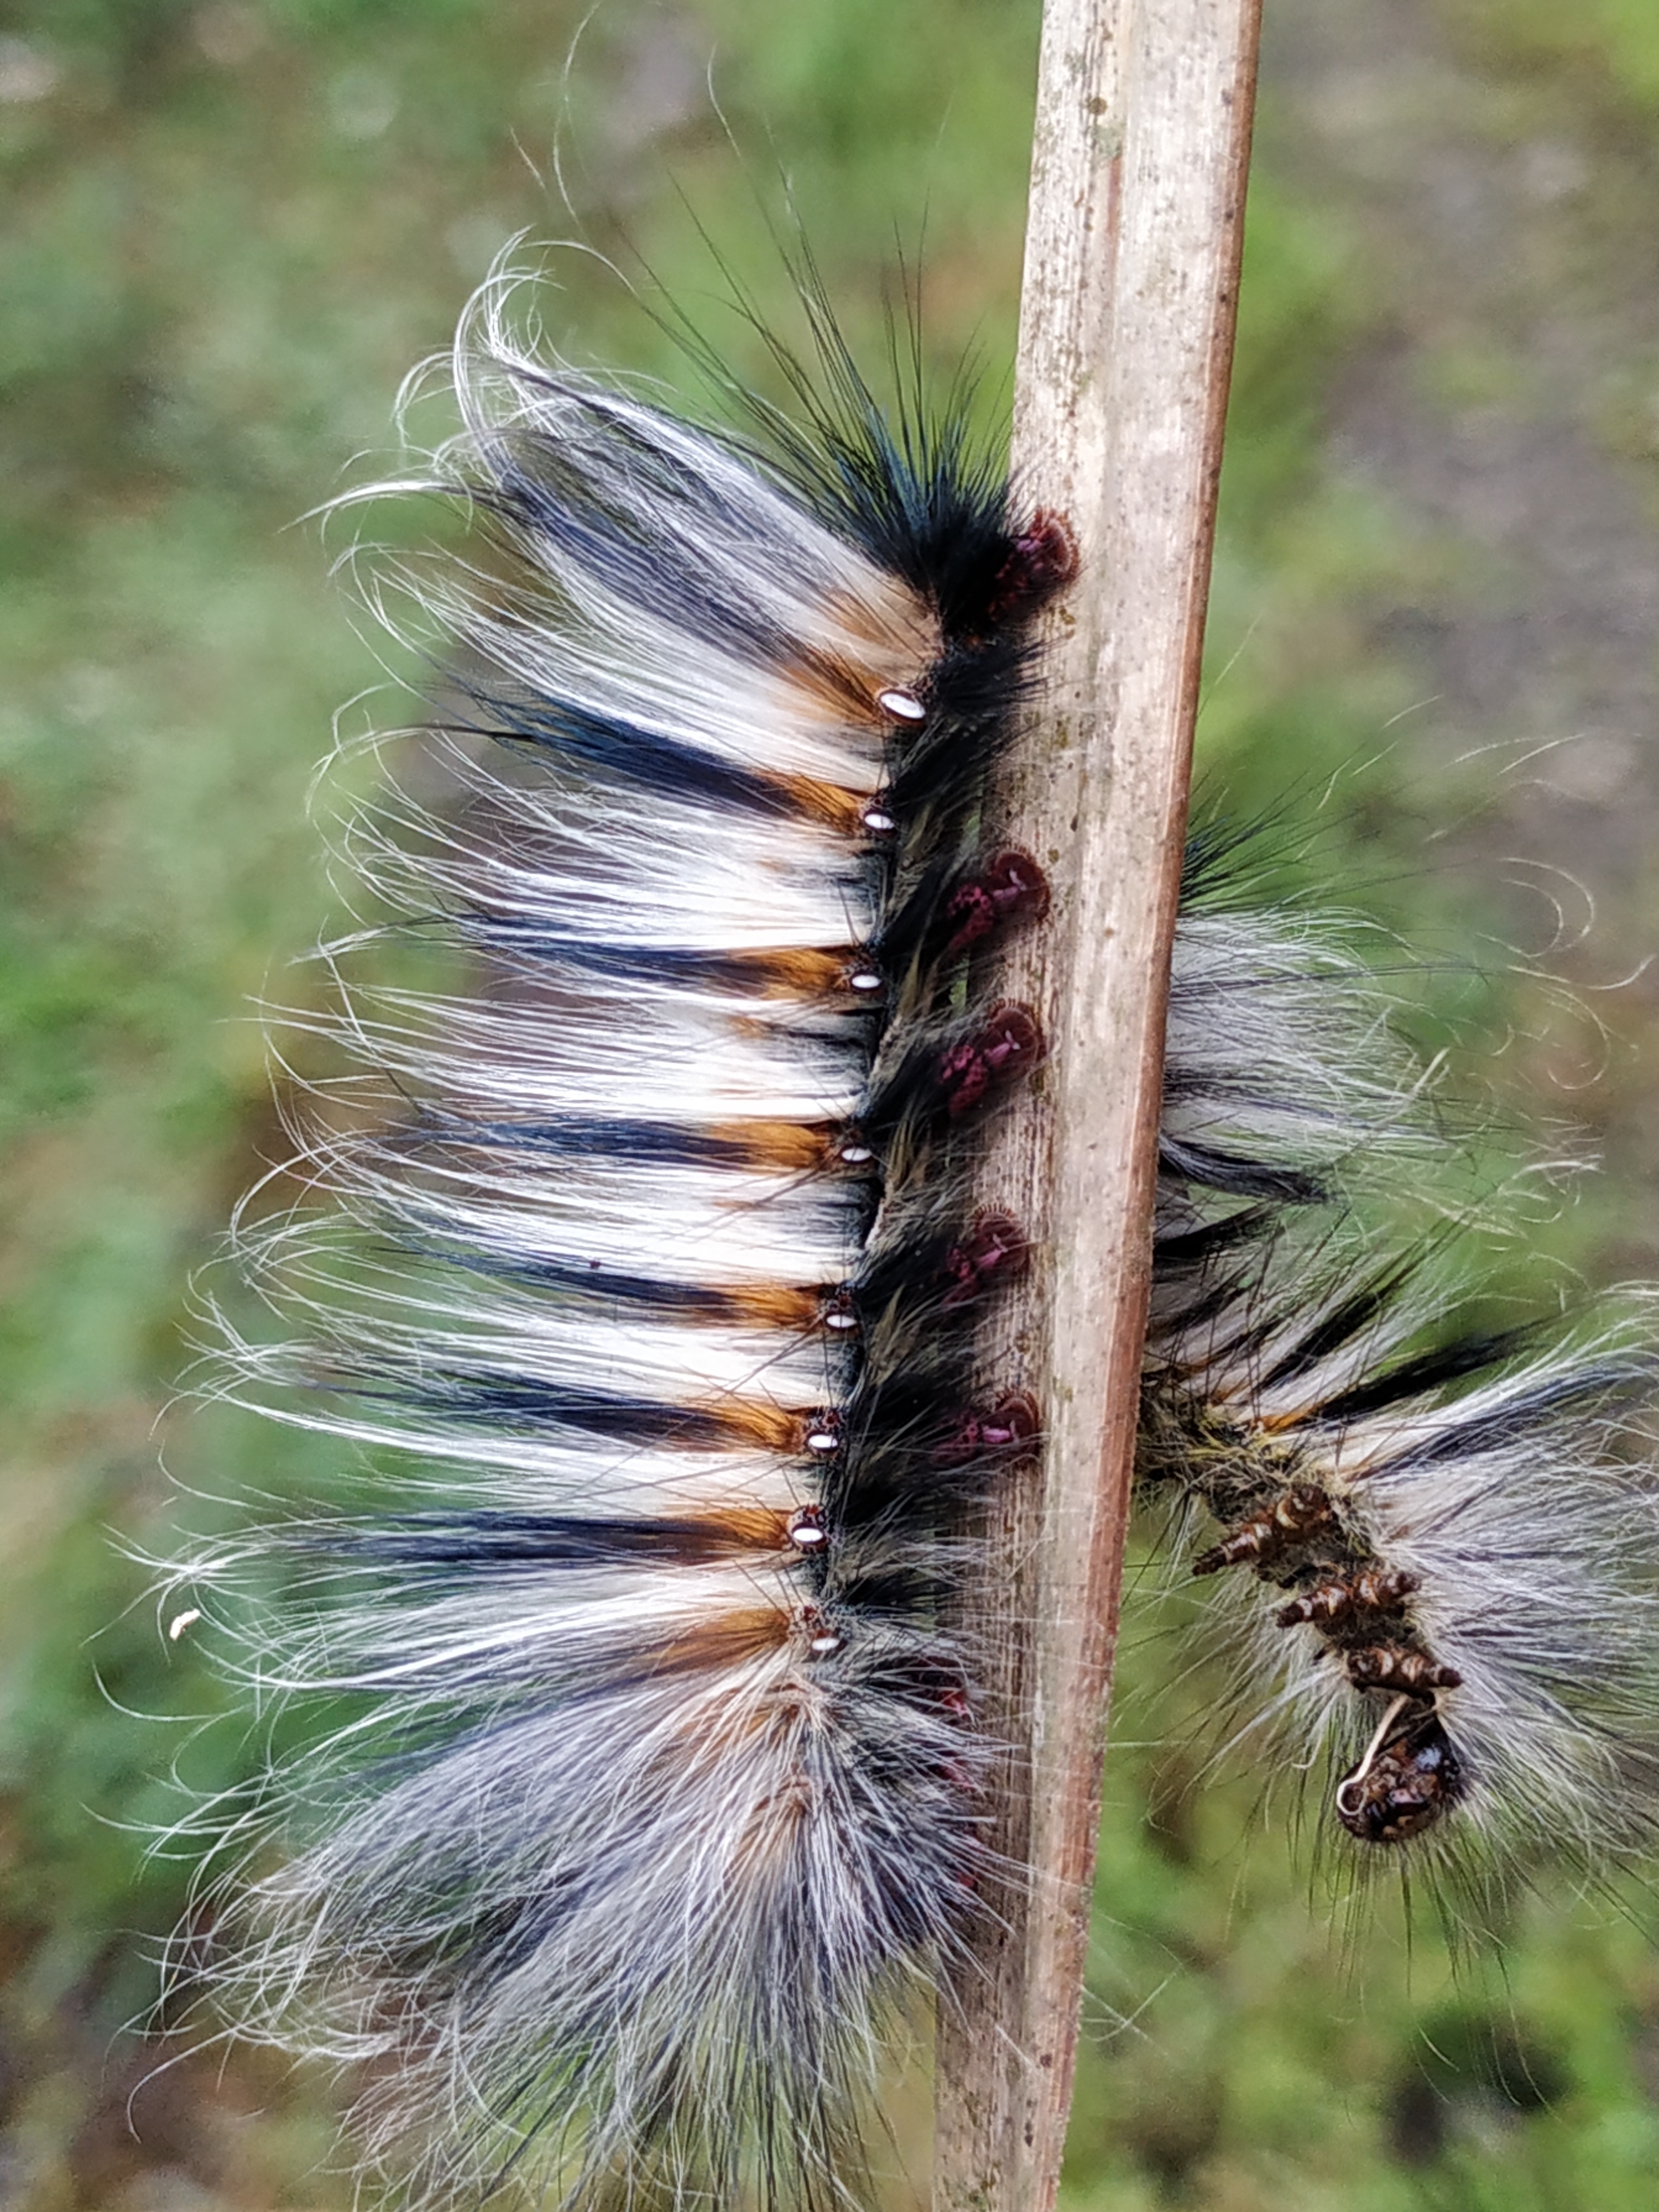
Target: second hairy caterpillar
{"points": [[1440, 1544], [650, 1295]]}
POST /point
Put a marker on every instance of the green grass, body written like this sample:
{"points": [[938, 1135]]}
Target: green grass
{"points": [[231, 230]]}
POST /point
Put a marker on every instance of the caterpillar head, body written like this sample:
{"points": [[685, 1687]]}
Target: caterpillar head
{"points": [[1409, 1778]]}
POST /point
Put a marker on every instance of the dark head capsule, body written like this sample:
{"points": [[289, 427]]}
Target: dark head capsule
{"points": [[1403, 1786]]}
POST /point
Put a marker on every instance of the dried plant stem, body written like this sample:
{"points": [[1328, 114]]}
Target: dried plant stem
{"points": [[1138, 183]]}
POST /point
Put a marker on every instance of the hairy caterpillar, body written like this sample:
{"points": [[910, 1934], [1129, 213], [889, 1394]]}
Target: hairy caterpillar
{"points": [[1441, 1541], [652, 1290]]}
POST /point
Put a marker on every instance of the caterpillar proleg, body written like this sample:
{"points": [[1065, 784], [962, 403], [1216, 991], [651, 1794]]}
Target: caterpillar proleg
{"points": [[647, 1300]]}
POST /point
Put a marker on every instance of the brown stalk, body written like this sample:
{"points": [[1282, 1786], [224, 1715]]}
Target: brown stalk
{"points": [[1137, 182]]}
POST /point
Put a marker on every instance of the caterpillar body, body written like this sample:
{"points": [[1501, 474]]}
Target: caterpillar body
{"points": [[651, 1298], [1442, 1545]]}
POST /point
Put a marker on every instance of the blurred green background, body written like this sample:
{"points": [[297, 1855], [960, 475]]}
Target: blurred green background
{"points": [[229, 229]]}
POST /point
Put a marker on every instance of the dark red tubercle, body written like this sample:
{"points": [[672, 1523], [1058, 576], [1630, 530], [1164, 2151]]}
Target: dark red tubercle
{"points": [[955, 1704], [1012, 1423], [1008, 1045], [1041, 561], [995, 1251], [945, 1692], [1011, 1426], [934, 1683], [1010, 889]]}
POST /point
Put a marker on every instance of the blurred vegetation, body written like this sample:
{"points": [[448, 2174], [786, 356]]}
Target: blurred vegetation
{"points": [[230, 229]]}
